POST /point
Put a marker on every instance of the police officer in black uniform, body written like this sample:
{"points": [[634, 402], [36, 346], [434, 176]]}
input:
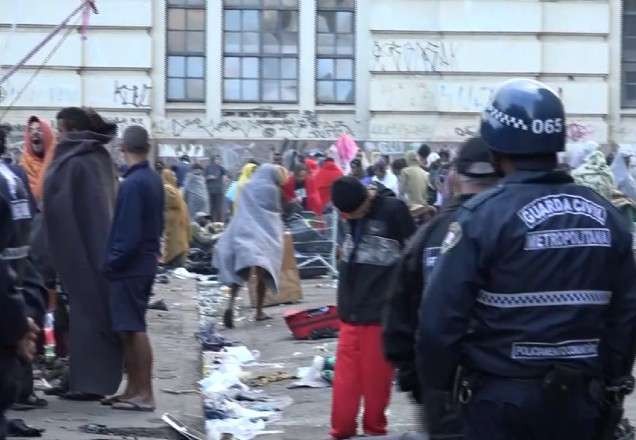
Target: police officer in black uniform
{"points": [[533, 300], [471, 173]]}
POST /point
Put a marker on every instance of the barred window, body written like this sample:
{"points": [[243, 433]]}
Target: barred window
{"points": [[335, 52], [186, 50], [629, 53], [260, 50]]}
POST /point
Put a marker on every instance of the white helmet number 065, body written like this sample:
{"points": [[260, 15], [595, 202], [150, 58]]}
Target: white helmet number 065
{"points": [[548, 126]]}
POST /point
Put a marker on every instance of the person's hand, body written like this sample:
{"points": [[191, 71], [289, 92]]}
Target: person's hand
{"points": [[27, 348]]}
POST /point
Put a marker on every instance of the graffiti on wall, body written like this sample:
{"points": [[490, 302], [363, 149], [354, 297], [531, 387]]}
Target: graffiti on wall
{"points": [[305, 125], [132, 95], [413, 55]]}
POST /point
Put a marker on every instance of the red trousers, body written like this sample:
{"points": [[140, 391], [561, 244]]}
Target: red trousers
{"points": [[362, 372]]}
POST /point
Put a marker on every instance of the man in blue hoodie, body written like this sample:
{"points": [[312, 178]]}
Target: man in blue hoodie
{"points": [[131, 265]]}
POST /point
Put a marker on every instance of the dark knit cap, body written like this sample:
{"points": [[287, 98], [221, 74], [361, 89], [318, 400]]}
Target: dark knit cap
{"points": [[348, 194], [474, 159]]}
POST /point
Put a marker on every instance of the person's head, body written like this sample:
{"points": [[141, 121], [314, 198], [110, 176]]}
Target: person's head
{"points": [[380, 169], [135, 144], [169, 177], [36, 136], [444, 156], [185, 159], [398, 165], [351, 197], [277, 158], [472, 170], [202, 218], [357, 170], [159, 166], [214, 159], [99, 124], [423, 153], [300, 173], [72, 119], [197, 168], [524, 126]]}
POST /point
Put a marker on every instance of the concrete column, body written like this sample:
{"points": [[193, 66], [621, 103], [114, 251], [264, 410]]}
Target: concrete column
{"points": [[615, 72], [158, 74], [363, 50], [307, 56], [214, 60]]}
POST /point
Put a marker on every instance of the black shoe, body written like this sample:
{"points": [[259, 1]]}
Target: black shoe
{"points": [[31, 402], [17, 428], [81, 397]]}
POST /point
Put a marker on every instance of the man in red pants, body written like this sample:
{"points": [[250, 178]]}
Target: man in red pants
{"points": [[378, 224]]}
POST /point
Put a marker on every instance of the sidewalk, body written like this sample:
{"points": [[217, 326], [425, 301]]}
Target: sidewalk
{"points": [[177, 368]]}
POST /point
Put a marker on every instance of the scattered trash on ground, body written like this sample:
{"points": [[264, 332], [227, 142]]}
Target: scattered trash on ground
{"points": [[181, 428], [318, 375]]}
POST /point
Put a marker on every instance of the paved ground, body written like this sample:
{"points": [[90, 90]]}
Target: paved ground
{"points": [[177, 368], [308, 417]]}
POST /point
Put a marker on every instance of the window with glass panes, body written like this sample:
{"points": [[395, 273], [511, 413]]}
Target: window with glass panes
{"points": [[335, 52], [186, 50], [260, 50]]}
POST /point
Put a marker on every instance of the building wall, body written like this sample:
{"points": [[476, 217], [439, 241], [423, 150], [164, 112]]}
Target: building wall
{"points": [[424, 71]]}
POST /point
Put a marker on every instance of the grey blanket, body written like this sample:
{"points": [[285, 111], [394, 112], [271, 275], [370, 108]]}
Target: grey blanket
{"points": [[254, 237], [195, 193]]}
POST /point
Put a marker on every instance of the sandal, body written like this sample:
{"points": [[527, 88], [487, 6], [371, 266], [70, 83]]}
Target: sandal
{"points": [[127, 405], [108, 401]]}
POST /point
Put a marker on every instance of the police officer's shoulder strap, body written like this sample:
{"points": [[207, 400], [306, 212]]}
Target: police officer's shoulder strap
{"points": [[479, 199]]}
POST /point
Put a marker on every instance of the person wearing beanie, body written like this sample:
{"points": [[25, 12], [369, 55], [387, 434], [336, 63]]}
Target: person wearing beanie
{"points": [[377, 229], [131, 265], [471, 173]]}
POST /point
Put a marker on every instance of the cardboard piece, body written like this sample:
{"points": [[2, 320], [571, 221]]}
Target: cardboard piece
{"points": [[290, 289]]}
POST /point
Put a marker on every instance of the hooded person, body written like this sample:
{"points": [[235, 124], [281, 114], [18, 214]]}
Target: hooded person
{"points": [[414, 181], [195, 191], [325, 177], [344, 151], [79, 200], [300, 188], [253, 239], [591, 170], [234, 191], [37, 154], [177, 222], [622, 176]]}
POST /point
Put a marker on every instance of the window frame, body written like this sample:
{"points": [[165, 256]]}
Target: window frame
{"points": [[336, 56], [186, 54], [261, 55]]}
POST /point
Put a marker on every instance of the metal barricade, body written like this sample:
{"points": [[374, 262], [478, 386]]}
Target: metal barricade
{"points": [[315, 244]]}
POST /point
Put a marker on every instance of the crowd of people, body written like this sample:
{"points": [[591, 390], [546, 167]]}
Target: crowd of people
{"points": [[80, 247], [446, 265]]}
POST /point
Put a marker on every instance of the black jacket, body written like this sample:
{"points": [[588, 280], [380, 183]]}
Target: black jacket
{"points": [[134, 244], [370, 253], [400, 319], [536, 271]]}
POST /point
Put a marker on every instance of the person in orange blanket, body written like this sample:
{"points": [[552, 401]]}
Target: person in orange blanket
{"points": [[325, 177], [39, 145], [300, 188]]}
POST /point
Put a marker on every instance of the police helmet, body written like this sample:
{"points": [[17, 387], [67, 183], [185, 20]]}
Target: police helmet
{"points": [[525, 117]]}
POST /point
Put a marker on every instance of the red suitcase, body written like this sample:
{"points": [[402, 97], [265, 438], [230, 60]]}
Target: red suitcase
{"points": [[322, 322]]}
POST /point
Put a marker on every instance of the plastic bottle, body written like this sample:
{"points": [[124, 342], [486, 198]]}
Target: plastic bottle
{"points": [[49, 337]]}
